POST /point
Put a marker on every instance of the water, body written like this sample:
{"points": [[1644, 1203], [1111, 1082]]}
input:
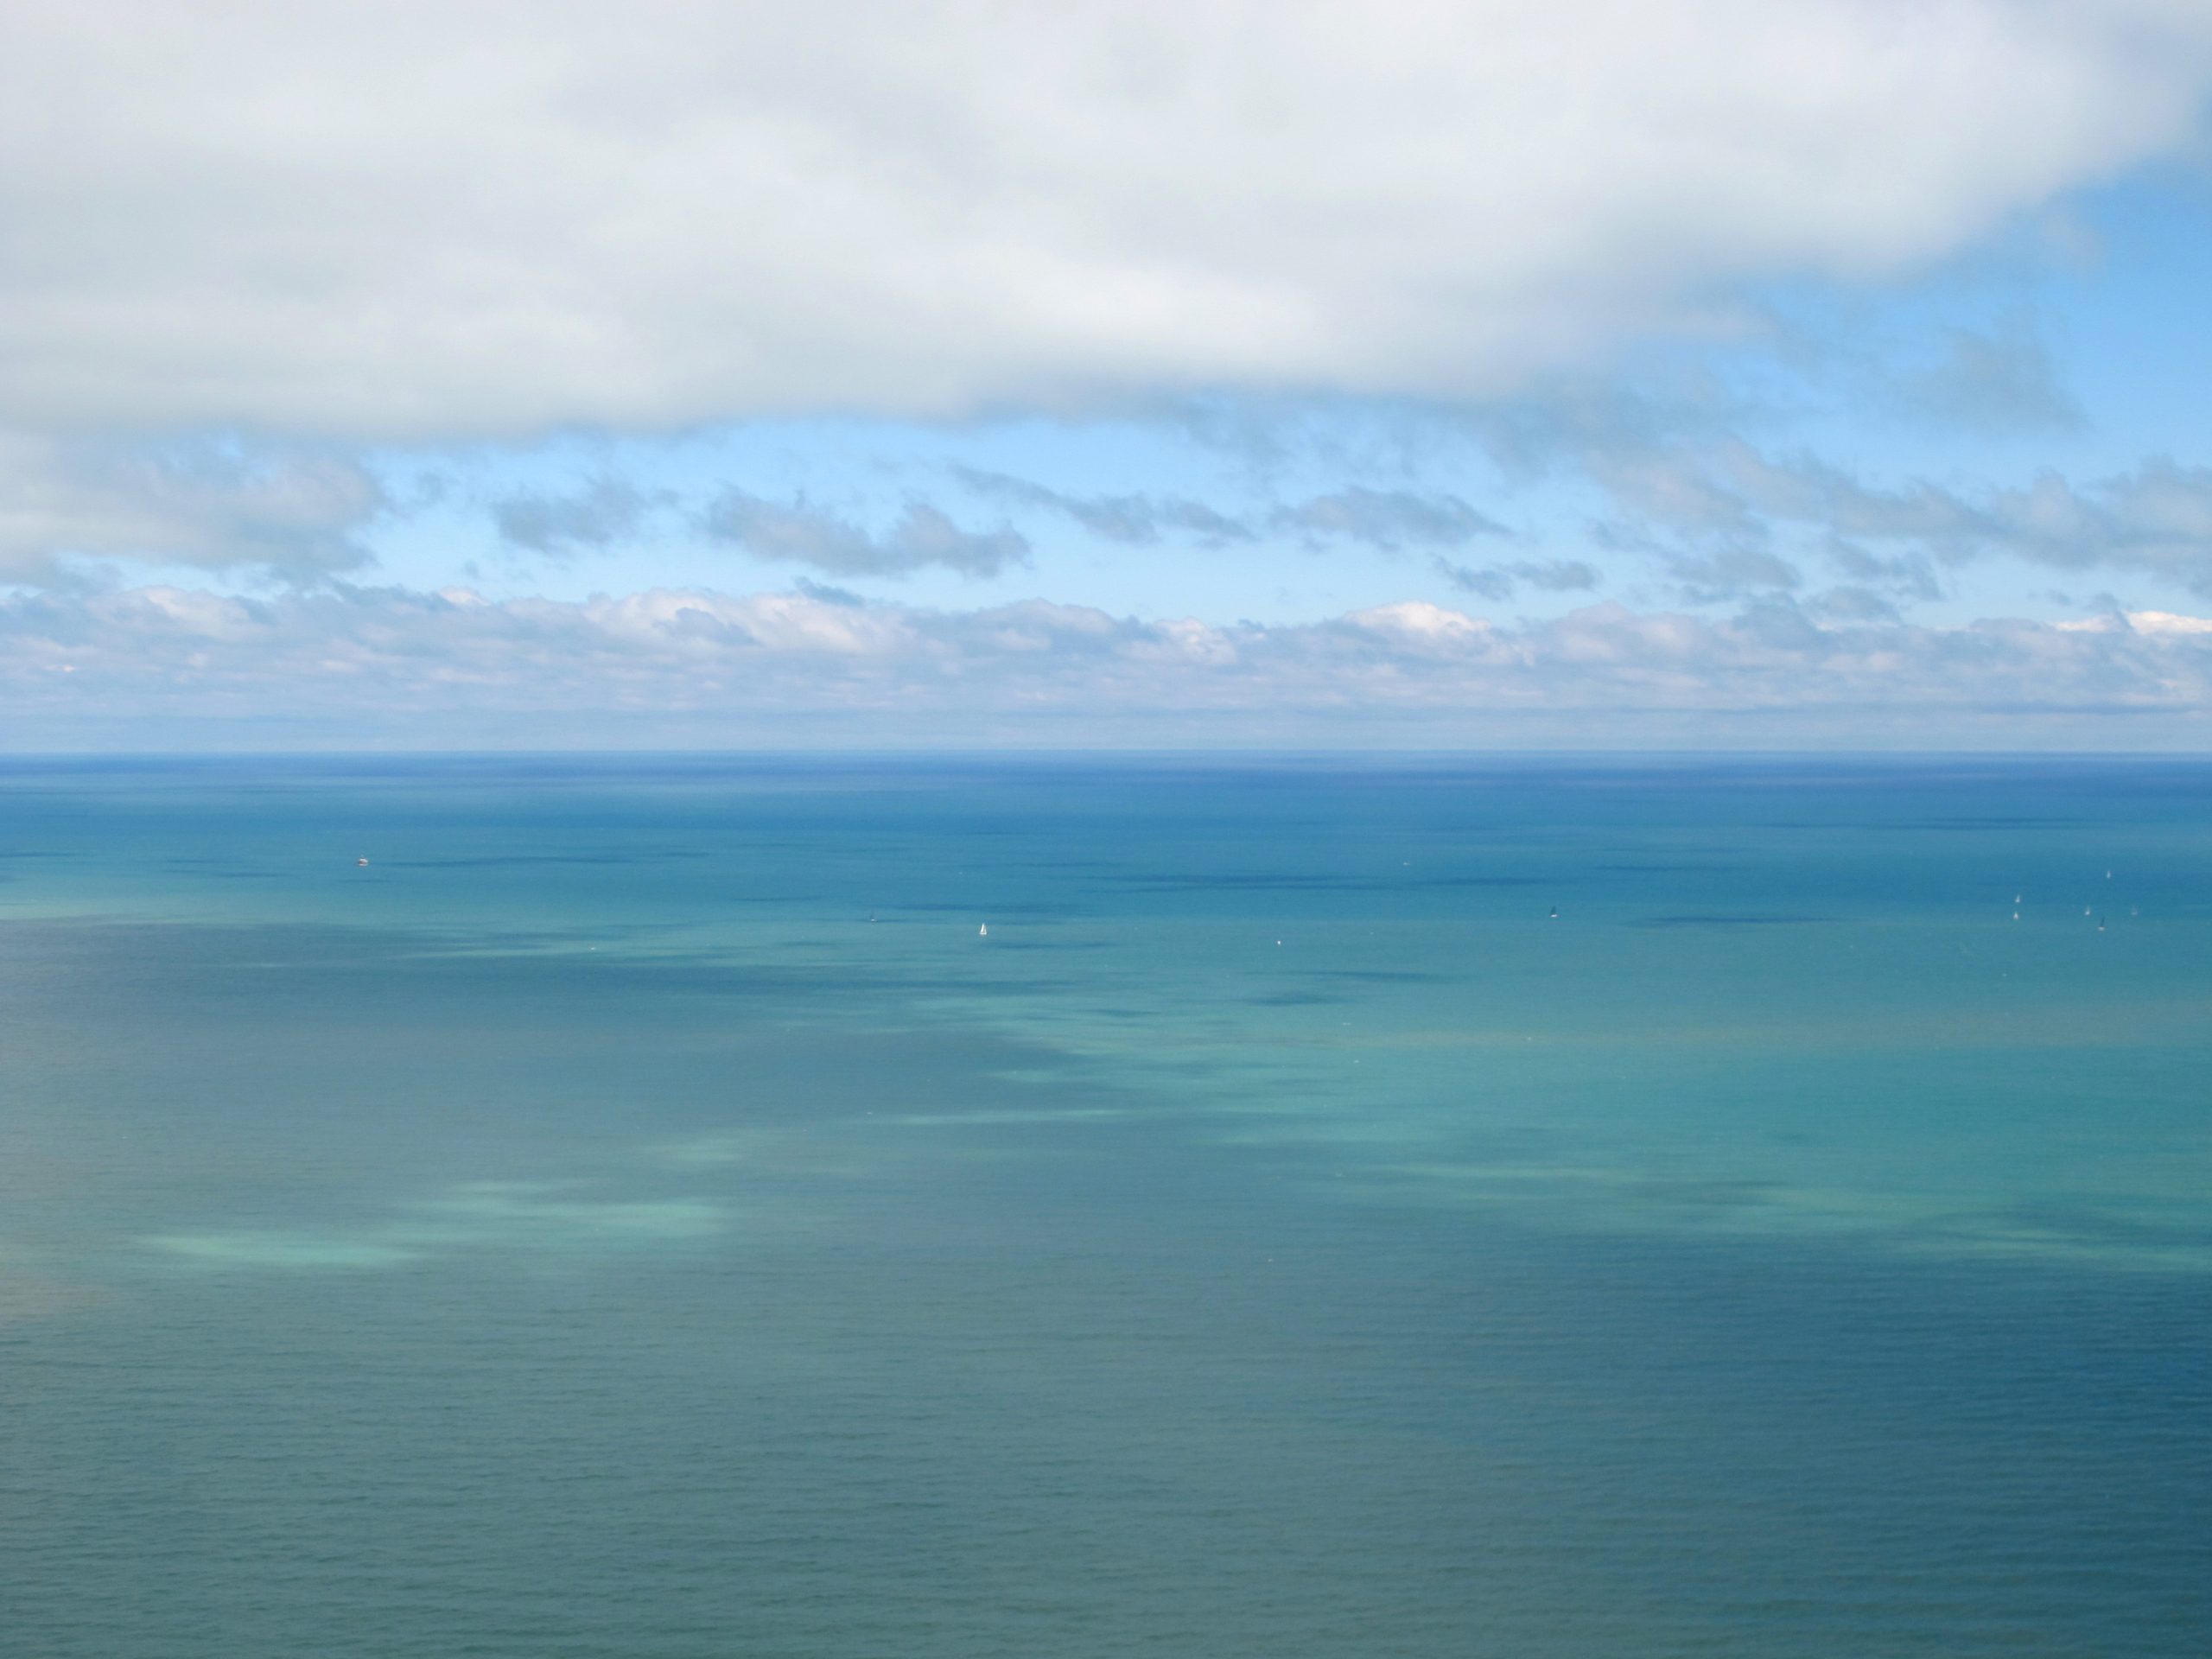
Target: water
{"points": [[584, 1231]]}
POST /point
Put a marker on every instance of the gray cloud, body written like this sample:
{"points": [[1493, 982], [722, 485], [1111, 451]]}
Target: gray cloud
{"points": [[1727, 518], [217, 506], [935, 209], [1730, 572], [598, 515], [1853, 605], [1386, 519], [2157, 518], [799, 534], [1499, 582], [1908, 576], [1133, 518], [2001, 383]]}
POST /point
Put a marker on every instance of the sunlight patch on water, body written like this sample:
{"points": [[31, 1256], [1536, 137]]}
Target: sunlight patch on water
{"points": [[281, 1250], [537, 1216], [1586, 1199]]}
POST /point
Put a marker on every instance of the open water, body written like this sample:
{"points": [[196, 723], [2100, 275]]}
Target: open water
{"points": [[637, 1214]]}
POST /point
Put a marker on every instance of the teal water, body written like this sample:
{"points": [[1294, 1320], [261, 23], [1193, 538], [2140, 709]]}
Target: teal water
{"points": [[583, 1231]]}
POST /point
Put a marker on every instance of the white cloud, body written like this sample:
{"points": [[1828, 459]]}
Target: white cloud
{"points": [[1416, 620], [2153, 623], [454, 668], [409, 221], [2156, 622]]}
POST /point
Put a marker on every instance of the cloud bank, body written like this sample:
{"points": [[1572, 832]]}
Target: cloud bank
{"points": [[380, 664], [413, 222]]}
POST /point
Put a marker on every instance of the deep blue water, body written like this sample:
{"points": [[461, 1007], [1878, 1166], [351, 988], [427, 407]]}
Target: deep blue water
{"points": [[584, 1231]]}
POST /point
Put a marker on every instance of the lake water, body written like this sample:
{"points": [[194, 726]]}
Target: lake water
{"points": [[637, 1214]]}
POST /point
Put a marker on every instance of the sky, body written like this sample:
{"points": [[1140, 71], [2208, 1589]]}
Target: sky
{"points": [[1593, 374]]}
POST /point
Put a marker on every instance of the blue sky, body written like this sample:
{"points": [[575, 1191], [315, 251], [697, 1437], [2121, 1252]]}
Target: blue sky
{"points": [[1710, 374]]}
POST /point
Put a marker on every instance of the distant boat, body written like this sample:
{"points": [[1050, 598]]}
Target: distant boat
{"points": [[2101, 924], [1554, 912], [2016, 915], [363, 863], [984, 931]]}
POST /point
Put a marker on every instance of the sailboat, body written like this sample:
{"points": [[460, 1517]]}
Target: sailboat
{"points": [[984, 931]]}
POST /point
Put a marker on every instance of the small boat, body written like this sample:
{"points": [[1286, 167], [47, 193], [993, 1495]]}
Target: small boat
{"points": [[984, 931], [362, 862], [1554, 912]]}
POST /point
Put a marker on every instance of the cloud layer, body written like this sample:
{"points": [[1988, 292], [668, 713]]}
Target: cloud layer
{"points": [[284, 288], [687, 665], [410, 221]]}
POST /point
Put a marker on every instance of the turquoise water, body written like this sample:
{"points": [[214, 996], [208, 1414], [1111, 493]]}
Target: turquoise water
{"points": [[584, 1231]]}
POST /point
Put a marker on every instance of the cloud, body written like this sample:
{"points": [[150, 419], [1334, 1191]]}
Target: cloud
{"points": [[1386, 519], [2001, 383], [374, 664], [802, 535], [598, 515], [2151, 623], [1730, 572], [1130, 517], [417, 222], [1498, 581], [2156, 519], [827, 594], [216, 506], [1853, 605], [1727, 518], [1907, 576]]}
